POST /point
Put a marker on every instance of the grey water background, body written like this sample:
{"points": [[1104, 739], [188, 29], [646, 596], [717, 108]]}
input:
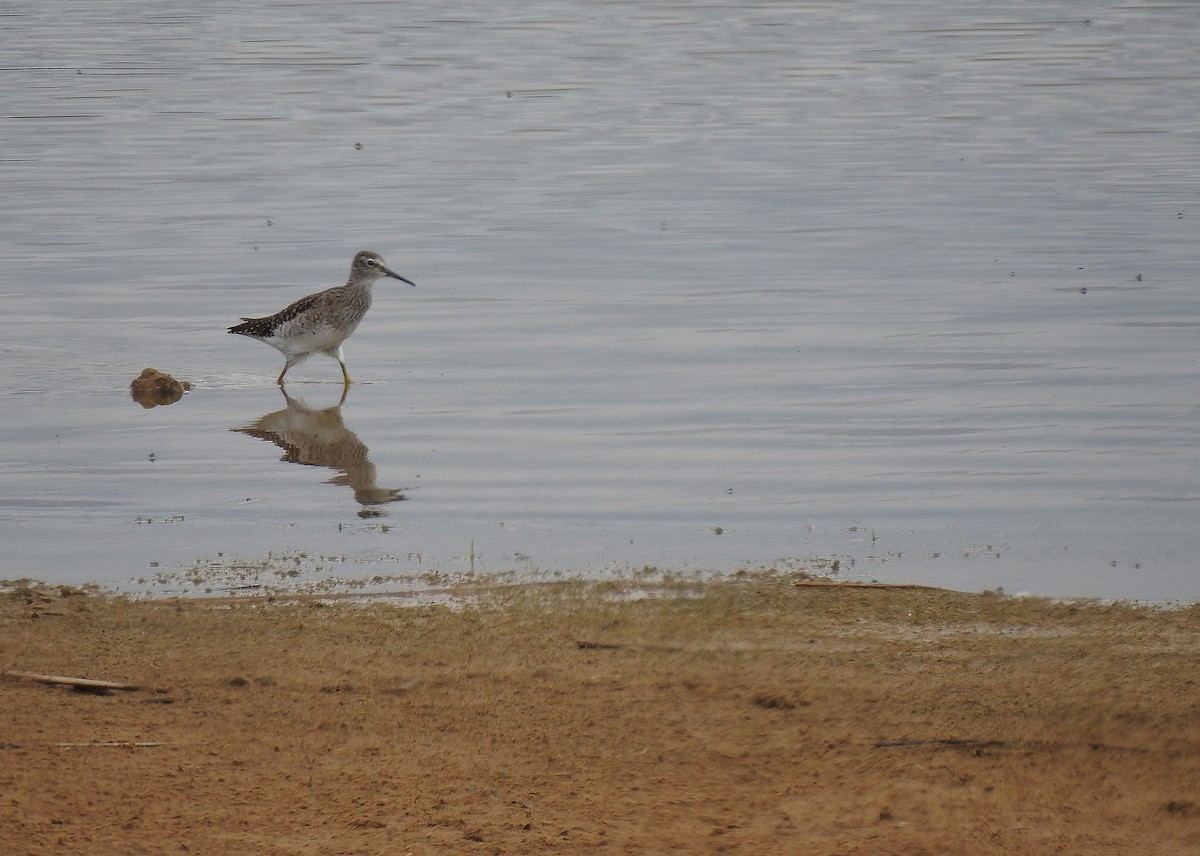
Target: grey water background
{"points": [[911, 288]]}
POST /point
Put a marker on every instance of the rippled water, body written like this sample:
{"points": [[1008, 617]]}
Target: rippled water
{"points": [[911, 288]]}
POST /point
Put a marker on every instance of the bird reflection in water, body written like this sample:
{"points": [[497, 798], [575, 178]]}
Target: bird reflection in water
{"points": [[319, 438]]}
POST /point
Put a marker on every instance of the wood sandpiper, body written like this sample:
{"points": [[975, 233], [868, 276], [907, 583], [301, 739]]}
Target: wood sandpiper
{"points": [[320, 322]]}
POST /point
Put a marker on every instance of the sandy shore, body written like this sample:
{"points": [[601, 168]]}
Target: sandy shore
{"points": [[754, 716]]}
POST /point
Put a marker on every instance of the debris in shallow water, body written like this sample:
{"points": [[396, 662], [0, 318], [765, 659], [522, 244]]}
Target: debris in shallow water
{"points": [[152, 388]]}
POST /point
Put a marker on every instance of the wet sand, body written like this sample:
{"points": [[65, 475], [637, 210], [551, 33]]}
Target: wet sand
{"points": [[750, 716]]}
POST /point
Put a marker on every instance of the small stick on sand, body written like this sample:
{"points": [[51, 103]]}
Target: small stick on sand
{"points": [[85, 685]]}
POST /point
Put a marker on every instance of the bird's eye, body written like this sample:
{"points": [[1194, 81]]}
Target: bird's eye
{"points": [[369, 262]]}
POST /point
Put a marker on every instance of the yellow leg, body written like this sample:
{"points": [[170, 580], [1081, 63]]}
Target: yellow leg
{"points": [[290, 361], [341, 358]]}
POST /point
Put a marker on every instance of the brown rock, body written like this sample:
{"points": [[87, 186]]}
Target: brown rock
{"points": [[152, 388]]}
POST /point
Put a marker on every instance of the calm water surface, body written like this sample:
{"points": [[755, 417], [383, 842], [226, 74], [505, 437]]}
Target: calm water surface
{"points": [[911, 288]]}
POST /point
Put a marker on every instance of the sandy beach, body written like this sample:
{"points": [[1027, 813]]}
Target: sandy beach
{"points": [[759, 715]]}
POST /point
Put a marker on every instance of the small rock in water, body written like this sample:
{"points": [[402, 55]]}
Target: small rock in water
{"points": [[152, 388]]}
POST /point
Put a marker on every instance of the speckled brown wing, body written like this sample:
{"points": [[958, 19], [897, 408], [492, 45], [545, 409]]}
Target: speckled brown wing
{"points": [[260, 328]]}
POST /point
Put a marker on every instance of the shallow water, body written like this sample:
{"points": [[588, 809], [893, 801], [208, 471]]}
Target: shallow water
{"points": [[909, 288]]}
